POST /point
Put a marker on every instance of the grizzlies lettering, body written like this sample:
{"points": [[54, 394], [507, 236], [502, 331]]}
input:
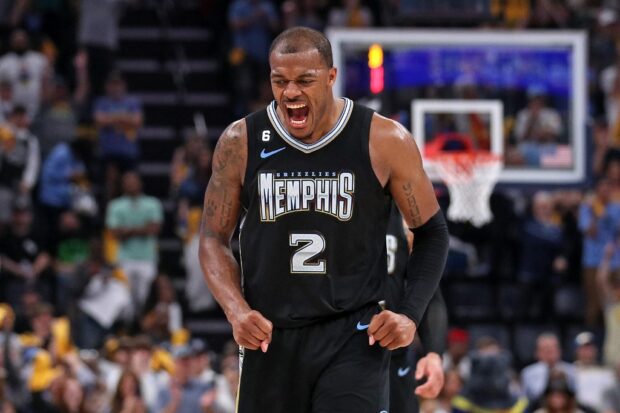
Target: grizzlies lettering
{"points": [[326, 192]]}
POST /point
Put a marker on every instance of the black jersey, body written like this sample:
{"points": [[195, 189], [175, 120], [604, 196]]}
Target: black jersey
{"points": [[312, 238]]}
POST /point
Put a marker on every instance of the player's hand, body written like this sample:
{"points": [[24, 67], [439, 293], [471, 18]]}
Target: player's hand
{"points": [[391, 330], [251, 330], [429, 367]]}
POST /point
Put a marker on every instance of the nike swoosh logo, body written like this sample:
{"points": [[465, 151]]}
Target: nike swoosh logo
{"points": [[264, 154], [402, 372], [361, 326]]}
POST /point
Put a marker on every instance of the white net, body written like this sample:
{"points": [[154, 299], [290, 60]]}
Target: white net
{"points": [[470, 178]]}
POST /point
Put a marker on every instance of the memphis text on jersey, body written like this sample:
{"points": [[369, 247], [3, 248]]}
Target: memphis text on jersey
{"points": [[283, 193]]}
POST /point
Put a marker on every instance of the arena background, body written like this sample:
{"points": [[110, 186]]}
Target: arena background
{"points": [[68, 130]]}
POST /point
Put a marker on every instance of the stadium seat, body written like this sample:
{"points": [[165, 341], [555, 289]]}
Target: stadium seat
{"points": [[471, 301], [569, 303], [511, 299]]}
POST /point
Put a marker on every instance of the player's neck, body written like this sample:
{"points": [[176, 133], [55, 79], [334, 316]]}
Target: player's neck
{"points": [[328, 121]]}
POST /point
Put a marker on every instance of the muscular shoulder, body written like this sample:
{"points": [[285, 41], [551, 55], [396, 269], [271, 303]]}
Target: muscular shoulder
{"points": [[230, 155], [389, 141], [385, 131]]}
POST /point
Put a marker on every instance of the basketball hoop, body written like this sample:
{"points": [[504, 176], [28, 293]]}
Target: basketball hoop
{"points": [[470, 176]]}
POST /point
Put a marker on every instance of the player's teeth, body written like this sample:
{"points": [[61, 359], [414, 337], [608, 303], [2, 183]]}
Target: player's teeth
{"points": [[296, 106]]}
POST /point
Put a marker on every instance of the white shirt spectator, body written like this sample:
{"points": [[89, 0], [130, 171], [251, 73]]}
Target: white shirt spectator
{"points": [[534, 378], [26, 73], [611, 399], [106, 299]]}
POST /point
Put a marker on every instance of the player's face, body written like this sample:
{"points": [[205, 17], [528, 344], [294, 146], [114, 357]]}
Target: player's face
{"points": [[302, 86]]}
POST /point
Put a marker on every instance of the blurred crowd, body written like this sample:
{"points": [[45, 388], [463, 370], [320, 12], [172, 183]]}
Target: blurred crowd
{"points": [[89, 322]]}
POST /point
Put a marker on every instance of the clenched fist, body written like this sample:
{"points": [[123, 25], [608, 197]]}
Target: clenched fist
{"points": [[251, 330], [391, 330]]}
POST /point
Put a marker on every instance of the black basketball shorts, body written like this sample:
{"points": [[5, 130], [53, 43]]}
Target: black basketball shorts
{"points": [[326, 367], [402, 382]]}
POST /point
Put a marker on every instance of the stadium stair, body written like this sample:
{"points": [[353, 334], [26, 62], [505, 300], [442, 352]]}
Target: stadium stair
{"points": [[170, 56]]}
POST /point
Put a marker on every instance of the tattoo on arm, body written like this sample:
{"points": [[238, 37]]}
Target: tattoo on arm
{"points": [[210, 208], [221, 199], [412, 206], [226, 209]]}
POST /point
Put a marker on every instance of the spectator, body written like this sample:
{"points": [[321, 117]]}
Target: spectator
{"points": [[162, 312], [103, 299], [26, 69], [599, 221], [456, 355], [541, 254], [559, 396], [186, 159], [118, 118], [549, 14], [71, 248], [48, 333], [63, 179], [28, 302], [203, 371], [67, 393], [609, 296], [135, 221], [57, 120], [252, 23], [12, 389], [534, 378], [98, 36], [538, 127], [189, 212], [185, 394], [611, 395], [143, 361], [611, 171], [610, 86], [128, 398], [192, 188], [19, 161], [302, 13], [26, 262], [229, 367], [489, 388], [452, 387], [591, 379], [350, 14], [6, 100], [11, 15], [111, 365]]}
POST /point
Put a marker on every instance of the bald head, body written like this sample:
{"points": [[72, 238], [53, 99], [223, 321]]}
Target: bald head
{"points": [[301, 39]]}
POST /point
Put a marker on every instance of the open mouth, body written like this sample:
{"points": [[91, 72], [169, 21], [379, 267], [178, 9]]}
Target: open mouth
{"points": [[297, 114]]}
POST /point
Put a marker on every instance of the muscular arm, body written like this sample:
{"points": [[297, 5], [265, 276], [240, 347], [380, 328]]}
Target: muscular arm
{"points": [[222, 205], [397, 164]]}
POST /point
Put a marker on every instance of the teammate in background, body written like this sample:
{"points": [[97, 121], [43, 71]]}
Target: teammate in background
{"points": [[432, 330], [315, 176]]}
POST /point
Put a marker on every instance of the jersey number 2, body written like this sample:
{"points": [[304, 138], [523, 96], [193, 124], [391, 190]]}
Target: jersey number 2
{"points": [[312, 245]]}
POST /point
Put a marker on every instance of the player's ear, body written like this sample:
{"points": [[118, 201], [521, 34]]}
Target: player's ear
{"points": [[331, 76]]}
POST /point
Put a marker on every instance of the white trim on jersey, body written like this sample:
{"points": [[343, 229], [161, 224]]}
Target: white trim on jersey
{"points": [[304, 147]]}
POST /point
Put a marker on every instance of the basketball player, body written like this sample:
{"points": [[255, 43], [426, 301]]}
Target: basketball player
{"points": [[432, 330], [314, 176]]}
